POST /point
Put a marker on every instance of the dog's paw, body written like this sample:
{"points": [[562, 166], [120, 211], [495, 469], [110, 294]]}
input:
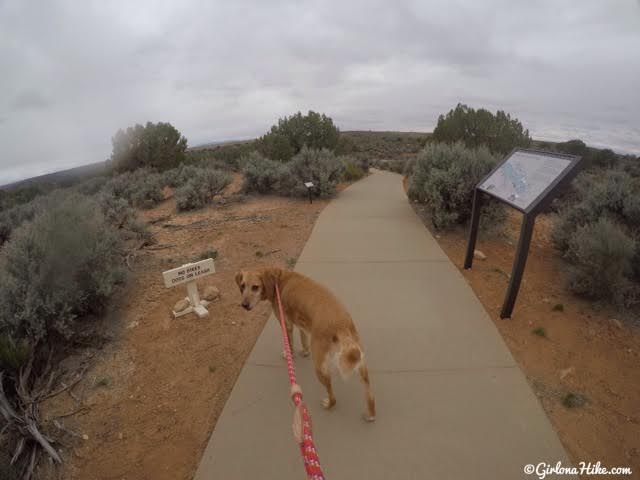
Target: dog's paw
{"points": [[328, 403], [305, 353], [368, 418]]}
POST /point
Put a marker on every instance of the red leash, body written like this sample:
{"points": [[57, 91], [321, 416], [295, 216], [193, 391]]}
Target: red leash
{"points": [[301, 417]]}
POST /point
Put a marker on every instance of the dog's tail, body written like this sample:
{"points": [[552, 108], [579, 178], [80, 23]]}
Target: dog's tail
{"points": [[350, 356]]}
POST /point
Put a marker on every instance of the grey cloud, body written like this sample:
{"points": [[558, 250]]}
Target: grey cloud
{"points": [[223, 70], [30, 100]]}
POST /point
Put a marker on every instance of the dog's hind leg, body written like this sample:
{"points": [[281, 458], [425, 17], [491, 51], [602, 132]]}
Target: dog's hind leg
{"points": [[319, 352], [370, 416], [304, 340]]}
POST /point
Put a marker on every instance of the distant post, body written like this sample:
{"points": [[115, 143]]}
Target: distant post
{"points": [[526, 180], [188, 274], [310, 187]]}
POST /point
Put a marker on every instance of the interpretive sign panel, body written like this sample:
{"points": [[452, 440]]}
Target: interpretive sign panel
{"points": [[526, 180], [524, 176]]}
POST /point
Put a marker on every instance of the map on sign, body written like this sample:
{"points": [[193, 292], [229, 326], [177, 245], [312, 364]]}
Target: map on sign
{"points": [[524, 176]]}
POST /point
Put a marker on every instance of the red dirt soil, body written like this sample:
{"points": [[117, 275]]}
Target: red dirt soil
{"points": [[157, 387]]}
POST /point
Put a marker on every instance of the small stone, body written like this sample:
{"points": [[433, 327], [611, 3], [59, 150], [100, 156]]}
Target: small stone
{"points": [[181, 305], [133, 324], [85, 437], [120, 436], [211, 293], [546, 300], [233, 323], [616, 323], [479, 255], [566, 371]]}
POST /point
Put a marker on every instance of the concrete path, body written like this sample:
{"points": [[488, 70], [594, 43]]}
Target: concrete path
{"points": [[452, 403]]}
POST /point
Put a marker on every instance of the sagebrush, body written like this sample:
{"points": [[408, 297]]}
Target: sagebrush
{"points": [[444, 177]]}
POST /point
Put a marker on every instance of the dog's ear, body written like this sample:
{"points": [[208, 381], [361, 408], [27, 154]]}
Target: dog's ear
{"points": [[239, 276], [269, 277]]}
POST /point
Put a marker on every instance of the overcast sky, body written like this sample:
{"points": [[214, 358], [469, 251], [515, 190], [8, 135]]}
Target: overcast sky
{"points": [[72, 73]]}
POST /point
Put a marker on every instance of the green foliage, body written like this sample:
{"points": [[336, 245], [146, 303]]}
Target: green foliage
{"points": [[599, 234], [601, 254], [13, 354], [200, 188], [321, 167], [140, 188], [262, 175], [444, 177], [540, 332], [352, 170], [499, 133], [573, 147], [381, 145], [611, 193], [221, 157], [392, 165], [58, 267], [573, 400], [156, 145], [291, 134]]}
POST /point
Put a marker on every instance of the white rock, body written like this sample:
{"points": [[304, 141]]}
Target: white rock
{"points": [[211, 293], [180, 305], [477, 254], [616, 323], [566, 371], [85, 437]]}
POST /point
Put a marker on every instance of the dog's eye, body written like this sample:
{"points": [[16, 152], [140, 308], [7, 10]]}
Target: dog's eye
{"points": [[242, 287], [255, 288]]}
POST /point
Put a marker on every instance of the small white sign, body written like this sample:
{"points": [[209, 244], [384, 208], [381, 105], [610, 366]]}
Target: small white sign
{"points": [[308, 184], [189, 272]]}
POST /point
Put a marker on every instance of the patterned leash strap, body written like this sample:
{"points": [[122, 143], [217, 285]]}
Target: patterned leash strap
{"points": [[301, 416]]}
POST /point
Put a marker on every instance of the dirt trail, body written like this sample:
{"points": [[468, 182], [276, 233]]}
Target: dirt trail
{"points": [[156, 390]]}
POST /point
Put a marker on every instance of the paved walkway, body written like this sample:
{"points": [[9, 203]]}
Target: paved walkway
{"points": [[452, 403]]}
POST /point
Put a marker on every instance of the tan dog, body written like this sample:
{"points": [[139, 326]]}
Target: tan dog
{"points": [[317, 313]]}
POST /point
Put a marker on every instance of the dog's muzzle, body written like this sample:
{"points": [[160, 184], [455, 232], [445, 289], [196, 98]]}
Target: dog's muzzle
{"points": [[246, 306]]}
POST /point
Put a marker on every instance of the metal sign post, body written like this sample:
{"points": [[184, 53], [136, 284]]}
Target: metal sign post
{"points": [[310, 187], [526, 180], [188, 274]]}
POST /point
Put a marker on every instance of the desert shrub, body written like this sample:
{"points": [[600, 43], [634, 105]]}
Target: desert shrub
{"points": [[56, 268], [156, 145], [353, 169], [409, 166], [140, 188], [601, 254], [201, 187], [262, 175], [391, 165], [321, 167], [291, 134], [92, 185], [595, 195], [147, 191], [444, 177], [573, 147], [499, 133]]}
